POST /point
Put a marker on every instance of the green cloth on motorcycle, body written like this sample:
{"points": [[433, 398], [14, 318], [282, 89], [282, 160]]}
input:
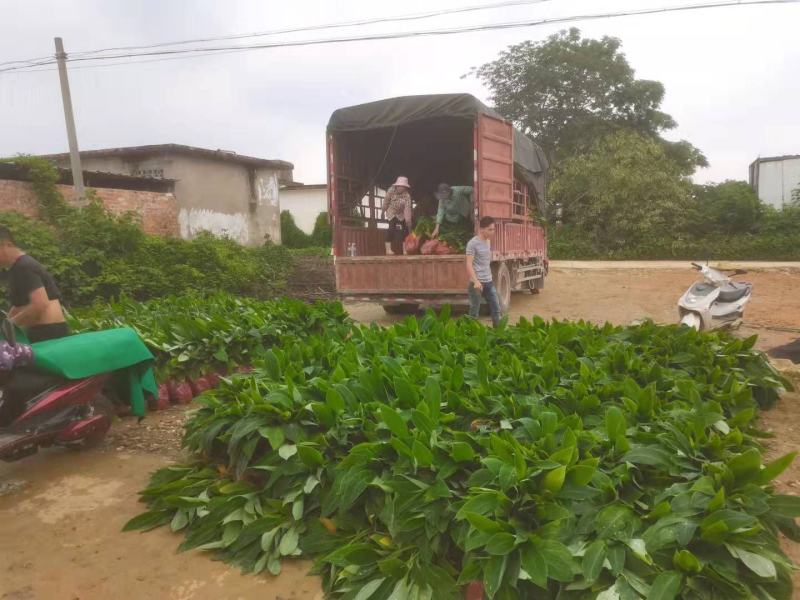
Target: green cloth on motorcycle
{"points": [[117, 351]]}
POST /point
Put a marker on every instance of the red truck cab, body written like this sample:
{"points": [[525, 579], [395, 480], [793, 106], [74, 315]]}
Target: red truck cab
{"points": [[431, 139]]}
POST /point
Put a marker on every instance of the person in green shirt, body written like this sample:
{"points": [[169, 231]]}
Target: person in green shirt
{"points": [[455, 206]]}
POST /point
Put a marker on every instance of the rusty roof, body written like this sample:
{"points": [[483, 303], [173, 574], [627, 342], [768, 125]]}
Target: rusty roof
{"points": [[149, 150], [296, 185], [95, 179]]}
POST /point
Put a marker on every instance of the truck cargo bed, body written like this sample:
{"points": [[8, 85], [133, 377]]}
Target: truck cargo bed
{"points": [[368, 277]]}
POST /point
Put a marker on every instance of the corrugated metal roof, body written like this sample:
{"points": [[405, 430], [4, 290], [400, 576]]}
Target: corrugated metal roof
{"points": [[776, 158], [225, 155]]}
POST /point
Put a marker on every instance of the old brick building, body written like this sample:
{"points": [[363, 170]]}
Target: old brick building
{"points": [[151, 199], [216, 190]]}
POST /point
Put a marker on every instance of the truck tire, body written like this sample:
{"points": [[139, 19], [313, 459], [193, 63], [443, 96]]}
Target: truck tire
{"points": [[502, 282]]}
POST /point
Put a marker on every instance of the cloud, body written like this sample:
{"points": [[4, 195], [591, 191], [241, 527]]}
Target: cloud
{"points": [[730, 74]]}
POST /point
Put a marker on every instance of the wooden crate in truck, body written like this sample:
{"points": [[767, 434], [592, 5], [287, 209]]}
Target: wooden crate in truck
{"points": [[445, 138]]}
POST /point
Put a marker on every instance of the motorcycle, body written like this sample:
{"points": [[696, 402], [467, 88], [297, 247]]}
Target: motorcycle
{"points": [[716, 303], [38, 409]]}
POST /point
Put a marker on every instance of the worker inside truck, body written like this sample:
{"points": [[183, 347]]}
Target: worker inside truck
{"points": [[397, 210], [455, 208]]}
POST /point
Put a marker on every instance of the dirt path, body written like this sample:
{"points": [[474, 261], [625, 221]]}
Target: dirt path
{"points": [[61, 512], [623, 295], [61, 539]]}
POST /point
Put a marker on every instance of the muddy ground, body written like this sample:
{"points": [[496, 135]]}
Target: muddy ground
{"points": [[61, 512]]}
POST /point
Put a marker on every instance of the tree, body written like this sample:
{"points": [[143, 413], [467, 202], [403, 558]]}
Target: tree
{"points": [[291, 235], [624, 191], [567, 92], [728, 207], [322, 235]]}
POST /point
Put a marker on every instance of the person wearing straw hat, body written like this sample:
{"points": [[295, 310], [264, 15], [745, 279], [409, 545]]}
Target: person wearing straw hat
{"points": [[397, 210]]}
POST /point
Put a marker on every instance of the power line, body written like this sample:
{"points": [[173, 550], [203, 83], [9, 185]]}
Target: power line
{"points": [[341, 24], [199, 54], [425, 33]]}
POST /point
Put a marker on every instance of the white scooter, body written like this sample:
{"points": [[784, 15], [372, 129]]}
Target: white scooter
{"points": [[716, 303]]}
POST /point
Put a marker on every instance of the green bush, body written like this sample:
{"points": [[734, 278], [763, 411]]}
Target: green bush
{"points": [[291, 235], [727, 207], [95, 255], [568, 243], [294, 237], [623, 192], [780, 222], [322, 236]]}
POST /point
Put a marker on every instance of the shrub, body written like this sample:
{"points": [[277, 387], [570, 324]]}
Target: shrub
{"points": [[728, 207], [322, 236], [291, 235], [623, 192], [568, 243], [294, 237], [95, 255]]}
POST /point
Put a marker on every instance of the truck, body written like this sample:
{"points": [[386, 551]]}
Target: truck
{"points": [[431, 139]]}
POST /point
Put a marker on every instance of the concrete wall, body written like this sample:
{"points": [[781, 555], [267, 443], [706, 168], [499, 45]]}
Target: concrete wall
{"points": [[157, 211], [305, 204], [777, 179], [224, 198]]}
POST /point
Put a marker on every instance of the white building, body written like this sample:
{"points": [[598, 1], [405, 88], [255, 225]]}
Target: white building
{"points": [[774, 178], [304, 202]]}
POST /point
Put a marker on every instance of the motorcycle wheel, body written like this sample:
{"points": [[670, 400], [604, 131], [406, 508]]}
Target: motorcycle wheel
{"points": [[100, 405], [692, 320]]}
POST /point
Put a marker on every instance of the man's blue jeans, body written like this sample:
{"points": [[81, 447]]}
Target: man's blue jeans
{"points": [[489, 292]]}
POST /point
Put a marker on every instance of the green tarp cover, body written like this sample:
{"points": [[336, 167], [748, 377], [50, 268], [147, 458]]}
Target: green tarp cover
{"points": [[119, 351], [528, 156]]}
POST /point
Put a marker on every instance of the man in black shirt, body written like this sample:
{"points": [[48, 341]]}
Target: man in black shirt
{"points": [[33, 293]]}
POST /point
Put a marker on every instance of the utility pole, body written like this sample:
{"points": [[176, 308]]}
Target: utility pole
{"points": [[74, 155]]}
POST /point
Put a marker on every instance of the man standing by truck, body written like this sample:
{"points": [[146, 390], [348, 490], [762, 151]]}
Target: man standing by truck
{"points": [[479, 271]]}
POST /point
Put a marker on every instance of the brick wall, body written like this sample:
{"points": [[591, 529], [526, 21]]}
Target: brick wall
{"points": [[157, 211]]}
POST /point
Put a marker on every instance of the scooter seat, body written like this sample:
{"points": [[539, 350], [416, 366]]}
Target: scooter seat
{"points": [[730, 292]]}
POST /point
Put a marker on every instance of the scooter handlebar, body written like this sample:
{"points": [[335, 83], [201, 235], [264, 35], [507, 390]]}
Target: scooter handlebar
{"points": [[696, 266]]}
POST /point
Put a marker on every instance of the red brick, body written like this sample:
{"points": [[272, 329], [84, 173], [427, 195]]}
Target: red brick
{"points": [[157, 211]]}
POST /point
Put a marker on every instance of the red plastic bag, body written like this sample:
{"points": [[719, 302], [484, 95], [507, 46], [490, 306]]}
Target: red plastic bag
{"points": [[429, 247], [474, 591], [213, 378], [443, 248], [244, 369], [411, 244], [162, 401], [199, 385], [180, 392]]}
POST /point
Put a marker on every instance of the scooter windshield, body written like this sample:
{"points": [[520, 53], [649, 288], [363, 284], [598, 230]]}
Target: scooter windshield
{"points": [[715, 276]]}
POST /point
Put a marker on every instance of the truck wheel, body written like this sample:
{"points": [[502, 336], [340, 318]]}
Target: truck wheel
{"points": [[401, 309], [502, 282]]}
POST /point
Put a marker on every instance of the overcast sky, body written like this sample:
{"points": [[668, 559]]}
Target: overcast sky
{"points": [[731, 74]]}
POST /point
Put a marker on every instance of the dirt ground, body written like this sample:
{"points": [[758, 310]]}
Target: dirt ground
{"points": [[61, 512]]}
